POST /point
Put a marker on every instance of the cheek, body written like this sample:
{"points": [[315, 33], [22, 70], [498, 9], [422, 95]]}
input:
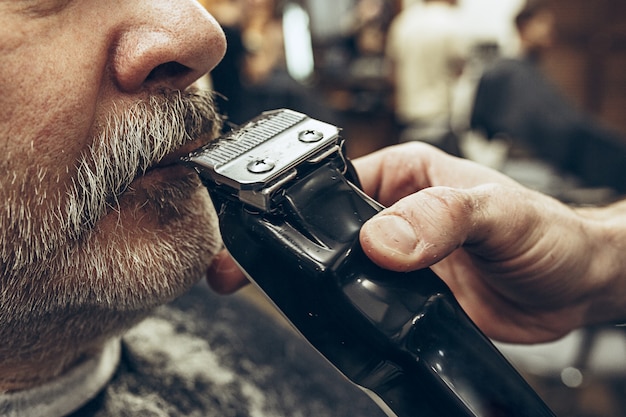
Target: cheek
{"points": [[47, 110]]}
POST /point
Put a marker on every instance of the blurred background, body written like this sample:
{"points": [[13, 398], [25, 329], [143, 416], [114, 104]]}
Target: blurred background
{"points": [[536, 89], [334, 60]]}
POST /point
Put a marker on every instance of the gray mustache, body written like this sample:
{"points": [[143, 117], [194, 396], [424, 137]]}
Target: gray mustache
{"points": [[129, 143]]}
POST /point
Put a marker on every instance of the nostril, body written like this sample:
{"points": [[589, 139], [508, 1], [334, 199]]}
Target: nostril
{"points": [[168, 71], [167, 46]]}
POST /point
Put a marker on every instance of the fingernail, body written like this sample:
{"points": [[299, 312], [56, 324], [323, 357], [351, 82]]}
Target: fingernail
{"points": [[394, 234]]}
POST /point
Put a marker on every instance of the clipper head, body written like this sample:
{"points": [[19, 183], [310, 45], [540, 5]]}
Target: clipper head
{"points": [[254, 161]]}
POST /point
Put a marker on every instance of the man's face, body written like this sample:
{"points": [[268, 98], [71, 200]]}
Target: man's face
{"points": [[538, 33], [96, 223]]}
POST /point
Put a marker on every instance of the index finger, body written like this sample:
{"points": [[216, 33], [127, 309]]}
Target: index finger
{"points": [[395, 172]]}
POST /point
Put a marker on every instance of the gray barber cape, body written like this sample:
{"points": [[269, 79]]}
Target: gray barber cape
{"points": [[209, 355]]}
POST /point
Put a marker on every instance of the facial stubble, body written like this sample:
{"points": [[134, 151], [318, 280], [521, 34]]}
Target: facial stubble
{"points": [[83, 263]]}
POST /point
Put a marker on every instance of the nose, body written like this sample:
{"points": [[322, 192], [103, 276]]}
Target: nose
{"points": [[166, 44]]}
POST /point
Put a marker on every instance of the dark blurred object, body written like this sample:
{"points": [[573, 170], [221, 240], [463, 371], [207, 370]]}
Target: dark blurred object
{"points": [[227, 80], [516, 100]]}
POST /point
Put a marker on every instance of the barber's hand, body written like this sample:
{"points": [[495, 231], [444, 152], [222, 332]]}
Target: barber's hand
{"points": [[518, 261]]}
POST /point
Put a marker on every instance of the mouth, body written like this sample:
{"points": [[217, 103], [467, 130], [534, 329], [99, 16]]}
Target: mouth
{"points": [[172, 159], [167, 179]]}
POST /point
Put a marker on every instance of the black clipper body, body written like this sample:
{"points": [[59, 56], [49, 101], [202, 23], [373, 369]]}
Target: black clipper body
{"points": [[290, 215]]}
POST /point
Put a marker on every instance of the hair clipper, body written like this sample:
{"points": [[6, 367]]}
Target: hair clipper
{"points": [[290, 210]]}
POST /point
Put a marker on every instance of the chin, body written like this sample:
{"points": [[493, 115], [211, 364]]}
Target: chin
{"points": [[159, 242], [153, 246]]}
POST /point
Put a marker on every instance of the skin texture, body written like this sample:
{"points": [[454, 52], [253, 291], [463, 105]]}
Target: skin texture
{"points": [[97, 225], [524, 266]]}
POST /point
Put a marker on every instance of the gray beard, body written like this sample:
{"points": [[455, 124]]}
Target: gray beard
{"points": [[39, 221], [66, 284]]}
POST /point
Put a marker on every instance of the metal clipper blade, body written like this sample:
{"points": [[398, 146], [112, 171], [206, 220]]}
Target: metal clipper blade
{"points": [[257, 156]]}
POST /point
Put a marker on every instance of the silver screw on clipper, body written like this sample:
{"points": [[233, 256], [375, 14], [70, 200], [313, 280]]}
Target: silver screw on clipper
{"points": [[261, 166], [310, 136]]}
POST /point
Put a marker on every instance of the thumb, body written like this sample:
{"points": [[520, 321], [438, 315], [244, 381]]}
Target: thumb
{"points": [[420, 229]]}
